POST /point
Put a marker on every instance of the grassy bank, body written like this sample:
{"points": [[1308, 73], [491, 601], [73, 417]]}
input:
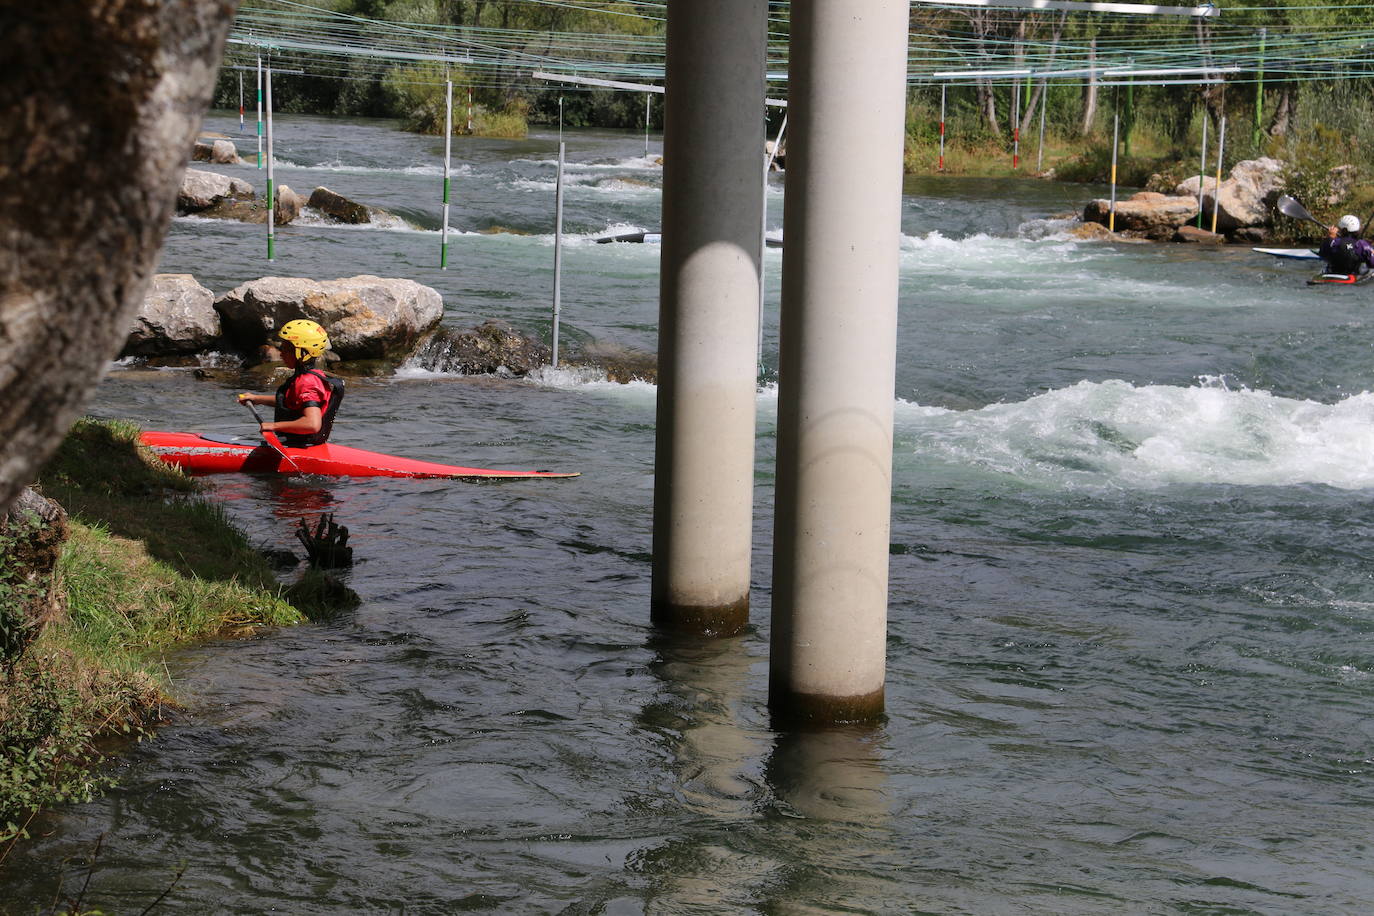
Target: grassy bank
{"points": [[148, 566]]}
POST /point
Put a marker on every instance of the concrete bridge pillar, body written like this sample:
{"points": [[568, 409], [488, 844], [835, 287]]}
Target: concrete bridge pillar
{"points": [[708, 322], [846, 103]]}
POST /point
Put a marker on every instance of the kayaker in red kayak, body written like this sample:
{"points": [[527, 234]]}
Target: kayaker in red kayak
{"points": [[305, 404]]}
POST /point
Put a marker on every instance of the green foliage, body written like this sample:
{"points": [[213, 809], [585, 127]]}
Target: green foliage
{"points": [[417, 97], [17, 592], [46, 750], [416, 94]]}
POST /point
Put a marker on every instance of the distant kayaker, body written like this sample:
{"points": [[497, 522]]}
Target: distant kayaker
{"points": [[305, 404], [1344, 251]]}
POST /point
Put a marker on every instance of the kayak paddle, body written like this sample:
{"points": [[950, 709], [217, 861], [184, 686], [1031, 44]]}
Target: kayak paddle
{"points": [[1291, 208], [271, 438]]}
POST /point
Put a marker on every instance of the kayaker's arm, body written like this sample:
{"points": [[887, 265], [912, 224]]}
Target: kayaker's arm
{"points": [[307, 423]]}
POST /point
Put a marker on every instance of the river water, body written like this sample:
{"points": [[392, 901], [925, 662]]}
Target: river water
{"points": [[1131, 651]]}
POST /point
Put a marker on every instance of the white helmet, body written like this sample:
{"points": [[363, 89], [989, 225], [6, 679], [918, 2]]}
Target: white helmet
{"points": [[1349, 223]]}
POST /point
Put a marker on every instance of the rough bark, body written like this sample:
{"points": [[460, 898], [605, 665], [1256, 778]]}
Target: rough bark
{"points": [[1039, 97], [1090, 92], [1283, 114], [80, 232], [1213, 95]]}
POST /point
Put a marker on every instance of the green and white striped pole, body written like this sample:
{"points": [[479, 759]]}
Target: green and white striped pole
{"points": [[259, 111], [448, 149], [271, 186], [1202, 168]]}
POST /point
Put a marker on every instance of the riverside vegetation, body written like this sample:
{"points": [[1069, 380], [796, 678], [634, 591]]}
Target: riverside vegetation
{"points": [[148, 566], [1311, 124]]}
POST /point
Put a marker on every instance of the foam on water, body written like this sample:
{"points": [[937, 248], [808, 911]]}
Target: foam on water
{"points": [[381, 221], [591, 184], [649, 163], [1114, 434]]}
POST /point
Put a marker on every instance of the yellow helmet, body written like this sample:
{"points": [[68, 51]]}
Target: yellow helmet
{"points": [[309, 339]]}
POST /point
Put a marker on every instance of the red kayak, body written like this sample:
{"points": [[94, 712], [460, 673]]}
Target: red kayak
{"points": [[227, 455], [1347, 279]]}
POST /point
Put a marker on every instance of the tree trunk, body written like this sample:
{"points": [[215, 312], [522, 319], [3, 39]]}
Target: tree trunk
{"points": [[1283, 114], [987, 101], [1039, 97], [1214, 95], [91, 157], [987, 104], [1090, 92], [1018, 57]]}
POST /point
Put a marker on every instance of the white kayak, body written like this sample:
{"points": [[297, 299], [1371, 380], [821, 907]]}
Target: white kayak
{"points": [[1296, 254]]}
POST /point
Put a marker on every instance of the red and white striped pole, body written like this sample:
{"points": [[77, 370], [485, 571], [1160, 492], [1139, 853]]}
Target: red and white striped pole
{"points": [[941, 166]]}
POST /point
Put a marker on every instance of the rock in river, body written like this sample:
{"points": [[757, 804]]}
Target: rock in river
{"points": [[367, 317], [201, 190], [177, 316], [337, 207]]}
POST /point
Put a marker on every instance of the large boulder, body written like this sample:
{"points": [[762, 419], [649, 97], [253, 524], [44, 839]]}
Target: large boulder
{"points": [[1092, 232], [221, 152], [287, 206], [492, 348], [201, 190], [1149, 213], [177, 316], [224, 152], [1245, 199], [337, 207], [367, 317], [1195, 236]]}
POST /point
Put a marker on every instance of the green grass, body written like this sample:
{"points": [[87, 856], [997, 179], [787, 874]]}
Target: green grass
{"points": [[148, 566]]}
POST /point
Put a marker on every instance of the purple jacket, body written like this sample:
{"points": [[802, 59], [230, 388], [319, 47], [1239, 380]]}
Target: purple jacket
{"points": [[1347, 254]]}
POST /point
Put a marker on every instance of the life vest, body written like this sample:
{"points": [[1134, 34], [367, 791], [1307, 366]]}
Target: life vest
{"points": [[281, 414], [1342, 258]]}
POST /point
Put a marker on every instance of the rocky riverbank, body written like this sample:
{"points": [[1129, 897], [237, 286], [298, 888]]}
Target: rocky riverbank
{"points": [[375, 325], [1239, 209]]}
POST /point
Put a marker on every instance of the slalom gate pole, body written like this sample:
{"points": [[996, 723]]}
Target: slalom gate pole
{"points": [[1216, 192], [259, 111], [1016, 124], [648, 101], [558, 237], [1259, 89], [469, 109], [240, 101], [271, 186], [941, 166], [1202, 167], [1040, 147], [1111, 217], [448, 150]]}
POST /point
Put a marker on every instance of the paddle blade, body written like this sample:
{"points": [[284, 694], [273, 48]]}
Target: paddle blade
{"points": [[1291, 208]]}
